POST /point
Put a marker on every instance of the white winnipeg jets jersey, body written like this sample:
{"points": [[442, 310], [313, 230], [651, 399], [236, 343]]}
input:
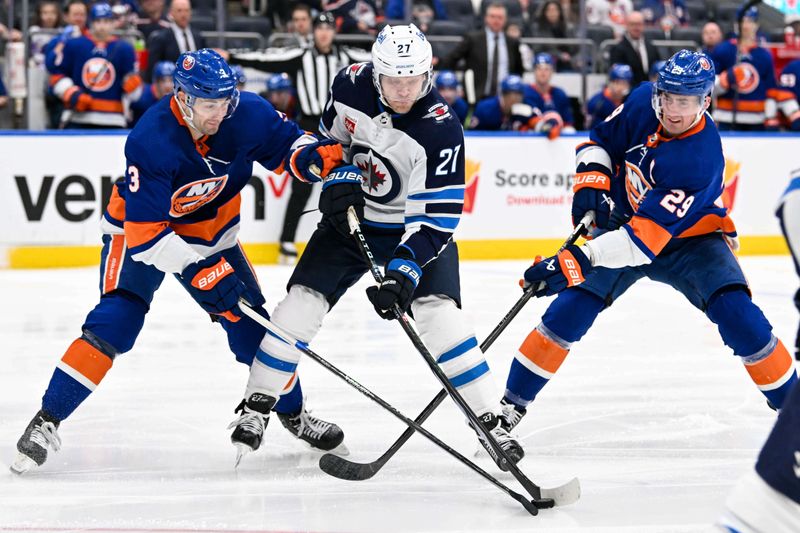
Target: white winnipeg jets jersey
{"points": [[413, 164]]}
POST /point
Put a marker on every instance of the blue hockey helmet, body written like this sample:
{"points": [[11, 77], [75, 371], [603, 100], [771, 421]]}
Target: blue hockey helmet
{"points": [[163, 69], [238, 72], [656, 67], [101, 11], [204, 74], [512, 84], [750, 13], [544, 59], [446, 79], [687, 72], [620, 71], [279, 82]]}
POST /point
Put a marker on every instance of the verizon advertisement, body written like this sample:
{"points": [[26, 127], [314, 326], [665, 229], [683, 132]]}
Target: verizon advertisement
{"points": [[53, 188]]}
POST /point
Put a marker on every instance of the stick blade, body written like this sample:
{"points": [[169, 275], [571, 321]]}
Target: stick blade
{"points": [[341, 468], [566, 494]]}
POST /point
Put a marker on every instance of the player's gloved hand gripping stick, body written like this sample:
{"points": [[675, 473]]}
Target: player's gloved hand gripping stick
{"points": [[345, 469], [531, 506], [542, 498]]}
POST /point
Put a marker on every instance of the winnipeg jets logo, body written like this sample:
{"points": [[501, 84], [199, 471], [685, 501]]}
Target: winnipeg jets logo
{"points": [[438, 112]]}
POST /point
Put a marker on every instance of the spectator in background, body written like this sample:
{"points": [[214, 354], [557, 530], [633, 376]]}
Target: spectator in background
{"points": [[448, 86], [395, 9], [602, 104], [665, 14], [151, 18], [47, 17], [280, 93], [790, 81], [551, 23], [301, 25], [634, 50], [552, 101], [169, 43], [655, 68], [352, 16], [505, 111], [489, 53], [528, 16], [162, 85], [613, 13], [711, 36]]}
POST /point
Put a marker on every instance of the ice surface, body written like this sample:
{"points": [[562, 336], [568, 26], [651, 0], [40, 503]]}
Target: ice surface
{"points": [[650, 411]]}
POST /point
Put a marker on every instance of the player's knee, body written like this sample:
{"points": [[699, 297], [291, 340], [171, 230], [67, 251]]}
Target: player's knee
{"points": [[115, 322], [301, 312], [572, 313], [244, 336], [742, 325], [439, 321]]}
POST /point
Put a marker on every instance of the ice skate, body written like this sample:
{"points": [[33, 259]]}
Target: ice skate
{"points": [[509, 445], [287, 254], [248, 429], [510, 414], [32, 446], [317, 433]]}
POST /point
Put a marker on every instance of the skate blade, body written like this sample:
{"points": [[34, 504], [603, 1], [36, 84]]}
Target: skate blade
{"points": [[22, 464], [241, 451]]}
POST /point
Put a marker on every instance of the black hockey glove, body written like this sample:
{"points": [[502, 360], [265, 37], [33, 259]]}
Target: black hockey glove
{"points": [[592, 192], [401, 278], [340, 190], [567, 269], [215, 286]]}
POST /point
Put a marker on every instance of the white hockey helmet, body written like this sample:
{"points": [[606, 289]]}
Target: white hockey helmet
{"points": [[401, 51]]}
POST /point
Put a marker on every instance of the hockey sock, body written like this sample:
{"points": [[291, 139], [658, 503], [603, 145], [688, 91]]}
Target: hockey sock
{"points": [[772, 370], [76, 376], [291, 400], [442, 327], [536, 361]]}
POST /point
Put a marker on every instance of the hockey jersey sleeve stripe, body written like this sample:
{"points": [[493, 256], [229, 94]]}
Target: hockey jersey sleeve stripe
{"points": [[709, 224], [106, 106], [441, 209], [116, 208], [142, 235], [61, 84], [780, 95], [441, 195], [440, 223], [726, 104], [647, 235], [593, 154]]}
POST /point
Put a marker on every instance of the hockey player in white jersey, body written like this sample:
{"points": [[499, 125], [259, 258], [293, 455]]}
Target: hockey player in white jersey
{"points": [[401, 136]]}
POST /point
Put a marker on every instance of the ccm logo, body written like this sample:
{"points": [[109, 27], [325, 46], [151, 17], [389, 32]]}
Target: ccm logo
{"points": [[211, 276], [408, 271]]}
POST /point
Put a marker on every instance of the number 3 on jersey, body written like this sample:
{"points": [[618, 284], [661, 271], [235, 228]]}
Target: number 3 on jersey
{"points": [[448, 155], [676, 198], [133, 178]]}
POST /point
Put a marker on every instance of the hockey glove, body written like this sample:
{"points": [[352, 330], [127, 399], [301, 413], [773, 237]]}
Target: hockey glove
{"points": [[215, 286], [567, 269], [591, 192], [312, 162], [79, 100], [735, 74], [402, 277], [340, 190], [550, 124]]}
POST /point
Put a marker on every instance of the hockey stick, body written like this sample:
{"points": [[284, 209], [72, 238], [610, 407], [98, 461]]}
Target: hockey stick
{"points": [[533, 490], [532, 506], [343, 468]]}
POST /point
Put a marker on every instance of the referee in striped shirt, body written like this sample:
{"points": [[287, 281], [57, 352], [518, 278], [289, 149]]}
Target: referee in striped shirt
{"points": [[312, 69]]}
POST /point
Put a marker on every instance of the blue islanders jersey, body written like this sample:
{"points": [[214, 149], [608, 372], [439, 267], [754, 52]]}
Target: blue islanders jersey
{"points": [[669, 187], [758, 92], [790, 81], [413, 164], [489, 116], [600, 106], [461, 107], [105, 71], [180, 198], [145, 102], [553, 100]]}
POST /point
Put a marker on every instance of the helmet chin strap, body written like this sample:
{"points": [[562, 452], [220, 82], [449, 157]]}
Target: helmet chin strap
{"points": [[187, 113]]}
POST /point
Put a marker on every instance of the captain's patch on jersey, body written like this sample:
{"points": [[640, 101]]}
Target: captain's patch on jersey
{"points": [[196, 194], [438, 112]]}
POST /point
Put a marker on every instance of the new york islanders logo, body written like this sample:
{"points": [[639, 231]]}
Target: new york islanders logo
{"points": [[188, 63], [704, 63], [98, 74], [195, 195], [750, 79], [636, 184]]}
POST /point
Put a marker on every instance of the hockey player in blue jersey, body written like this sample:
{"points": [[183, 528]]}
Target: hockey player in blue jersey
{"points": [[153, 92], [448, 86], [552, 101], [767, 499], [280, 93], [505, 111], [400, 134], [663, 173], [613, 94], [241, 77], [177, 212], [789, 81]]}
